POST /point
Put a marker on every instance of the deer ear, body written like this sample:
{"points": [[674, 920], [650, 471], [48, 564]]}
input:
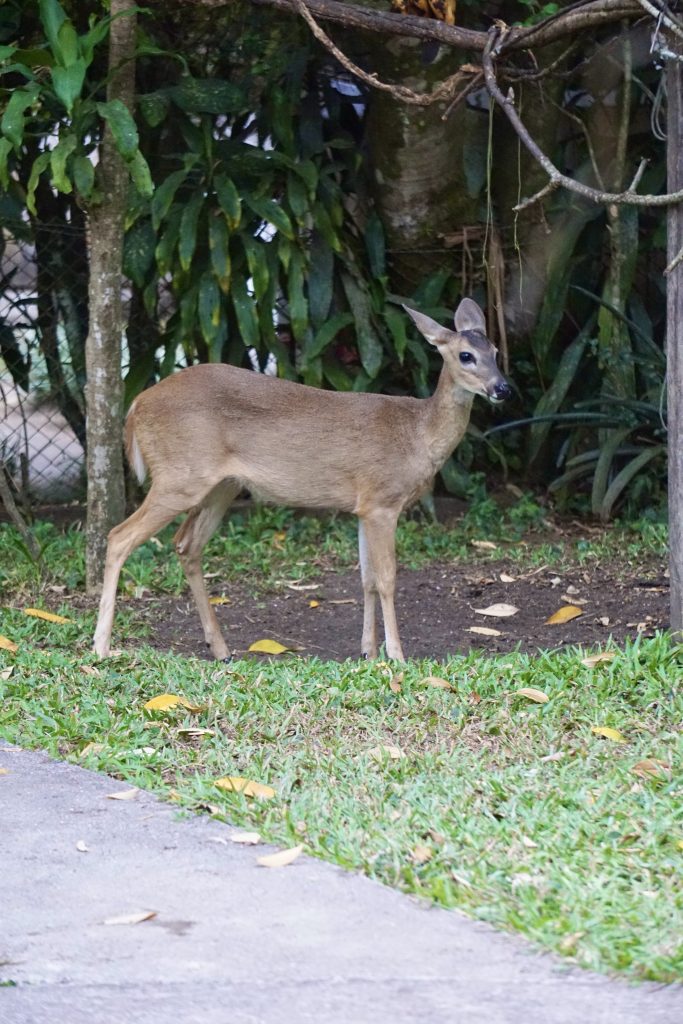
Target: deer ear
{"points": [[469, 317], [430, 329]]}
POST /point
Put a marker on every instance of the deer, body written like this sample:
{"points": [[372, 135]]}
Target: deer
{"points": [[211, 430]]}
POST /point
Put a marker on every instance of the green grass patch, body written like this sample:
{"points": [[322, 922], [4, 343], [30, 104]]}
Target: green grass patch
{"points": [[513, 811]]}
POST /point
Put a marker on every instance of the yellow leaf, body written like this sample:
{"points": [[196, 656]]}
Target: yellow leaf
{"points": [[531, 694], [396, 681], [384, 750], [679, 844], [421, 854], [608, 733], [314, 604], [436, 681], [8, 645], [91, 748], [280, 859], [38, 613], [564, 614], [165, 701], [268, 647], [595, 659], [236, 784], [135, 918], [484, 631], [123, 794], [220, 600], [498, 611]]}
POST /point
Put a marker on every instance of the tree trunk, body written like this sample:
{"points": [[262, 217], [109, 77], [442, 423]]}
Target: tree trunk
{"points": [[674, 316], [103, 347]]}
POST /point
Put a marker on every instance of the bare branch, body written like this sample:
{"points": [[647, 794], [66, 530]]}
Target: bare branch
{"points": [[557, 179]]}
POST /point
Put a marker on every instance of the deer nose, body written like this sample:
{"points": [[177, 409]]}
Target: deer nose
{"points": [[501, 391]]}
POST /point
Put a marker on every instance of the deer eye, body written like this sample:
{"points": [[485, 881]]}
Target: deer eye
{"points": [[466, 357]]}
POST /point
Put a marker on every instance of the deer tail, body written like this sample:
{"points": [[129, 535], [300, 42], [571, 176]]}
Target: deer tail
{"points": [[133, 448]]}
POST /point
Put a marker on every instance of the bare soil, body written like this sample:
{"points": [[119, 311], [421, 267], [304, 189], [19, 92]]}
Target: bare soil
{"points": [[436, 608]]}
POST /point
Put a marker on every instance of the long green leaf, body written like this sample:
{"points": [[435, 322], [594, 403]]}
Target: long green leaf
{"points": [[141, 175], [270, 211], [623, 479], [52, 17], [58, 158], [257, 261], [320, 279], [229, 200], [369, 344], [608, 450], [67, 38], [187, 241], [212, 324], [68, 82], [83, 175], [12, 123], [164, 195], [553, 398], [296, 298], [123, 128], [245, 312], [325, 335], [5, 150], [138, 251], [39, 165], [219, 240]]}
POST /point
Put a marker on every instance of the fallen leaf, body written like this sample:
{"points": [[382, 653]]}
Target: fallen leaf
{"points": [[421, 854], [564, 614], [342, 600], [395, 682], [299, 587], [436, 681], [596, 659], [484, 631], [504, 578], [245, 838], [280, 859], [386, 750], [529, 843], [248, 787], [604, 620], [531, 694], [268, 647], [314, 604], [191, 730], [165, 701], [123, 794], [89, 670], [220, 600], [484, 545], [91, 748], [136, 917], [608, 733], [38, 613], [571, 599], [8, 645], [81, 846], [652, 768], [498, 611], [7, 672], [557, 755]]}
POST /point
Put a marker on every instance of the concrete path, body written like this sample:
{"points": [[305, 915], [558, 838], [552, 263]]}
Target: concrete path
{"points": [[236, 943]]}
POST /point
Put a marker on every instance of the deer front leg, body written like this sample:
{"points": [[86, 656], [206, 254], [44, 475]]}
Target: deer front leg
{"points": [[379, 532]]}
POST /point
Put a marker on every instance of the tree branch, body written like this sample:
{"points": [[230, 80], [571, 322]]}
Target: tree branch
{"points": [[557, 179]]}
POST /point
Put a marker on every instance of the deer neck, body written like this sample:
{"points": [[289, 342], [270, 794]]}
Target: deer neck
{"points": [[448, 413]]}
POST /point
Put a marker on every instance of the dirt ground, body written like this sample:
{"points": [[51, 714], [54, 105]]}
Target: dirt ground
{"points": [[436, 608]]}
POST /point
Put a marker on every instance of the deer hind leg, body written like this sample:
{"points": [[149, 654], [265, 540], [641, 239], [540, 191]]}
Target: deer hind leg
{"points": [[153, 514], [367, 575], [379, 532], [189, 541]]}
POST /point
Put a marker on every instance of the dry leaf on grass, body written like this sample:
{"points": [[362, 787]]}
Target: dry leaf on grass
{"points": [[437, 682], [484, 631], [91, 748], [300, 587], [220, 600], [498, 611], [484, 545], [652, 768], [609, 733], [268, 647], [245, 838], [564, 614], [191, 730], [248, 787], [385, 750], [123, 794], [8, 645], [7, 672], [529, 843], [38, 613], [532, 694], [280, 859], [166, 701], [596, 659], [505, 578], [421, 854], [396, 681], [136, 917]]}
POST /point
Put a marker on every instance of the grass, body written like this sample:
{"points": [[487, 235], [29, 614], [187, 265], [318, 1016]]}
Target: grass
{"points": [[515, 812]]}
